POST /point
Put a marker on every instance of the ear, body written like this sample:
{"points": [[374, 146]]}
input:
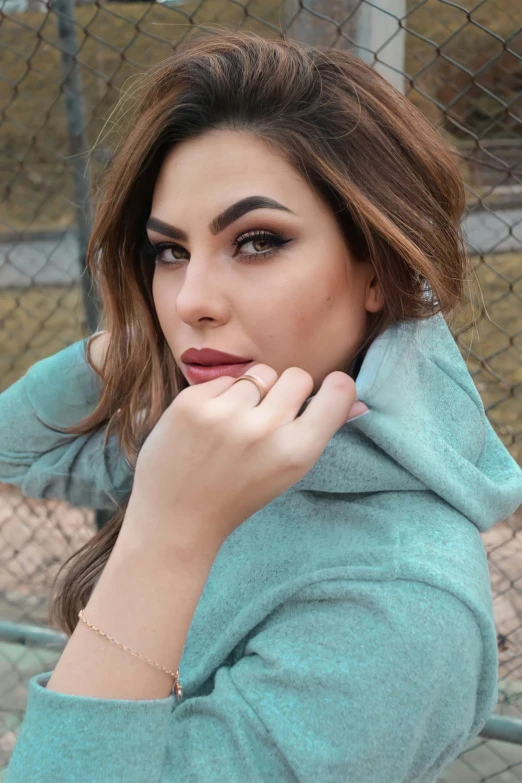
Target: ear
{"points": [[374, 300]]}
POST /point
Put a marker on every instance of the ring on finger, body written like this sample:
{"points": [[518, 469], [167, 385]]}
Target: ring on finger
{"points": [[263, 391]]}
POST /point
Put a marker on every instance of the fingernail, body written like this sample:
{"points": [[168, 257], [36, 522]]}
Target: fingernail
{"points": [[358, 409]]}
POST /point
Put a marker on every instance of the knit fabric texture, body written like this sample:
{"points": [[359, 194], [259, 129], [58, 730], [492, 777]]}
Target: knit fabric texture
{"points": [[345, 631]]}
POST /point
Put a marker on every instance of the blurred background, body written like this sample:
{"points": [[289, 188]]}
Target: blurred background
{"points": [[62, 65]]}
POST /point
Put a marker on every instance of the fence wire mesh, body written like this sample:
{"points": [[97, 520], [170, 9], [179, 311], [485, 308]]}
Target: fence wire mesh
{"points": [[61, 70]]}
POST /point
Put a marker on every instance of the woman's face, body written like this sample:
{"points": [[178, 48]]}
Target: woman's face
{"points": [[291, 297]]}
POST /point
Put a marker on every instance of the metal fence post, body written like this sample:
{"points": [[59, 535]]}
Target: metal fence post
{"points": [[78, 146], [381, 38]]}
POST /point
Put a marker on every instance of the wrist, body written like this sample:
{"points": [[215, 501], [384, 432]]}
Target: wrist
{"points": [[144, 601], [166, 538]]}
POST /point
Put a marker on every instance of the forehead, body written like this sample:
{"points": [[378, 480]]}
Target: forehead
{"points": [[221, 167], [219, 146]]}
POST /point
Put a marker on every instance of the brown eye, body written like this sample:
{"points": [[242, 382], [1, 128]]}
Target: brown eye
{"points": [[274, 241], [166, 253]]}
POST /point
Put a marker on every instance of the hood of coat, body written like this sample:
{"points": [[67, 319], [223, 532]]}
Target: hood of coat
{"points": [[426, 430]]}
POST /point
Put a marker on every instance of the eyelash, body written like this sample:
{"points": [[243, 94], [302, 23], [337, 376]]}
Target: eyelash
{"points": [[155, 249]]}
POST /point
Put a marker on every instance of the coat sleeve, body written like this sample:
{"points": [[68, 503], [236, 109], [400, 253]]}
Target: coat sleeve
{"points": [[366, 682], [45, 463]]}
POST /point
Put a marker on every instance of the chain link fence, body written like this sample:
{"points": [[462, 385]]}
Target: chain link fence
{"points": [[61, 70]]}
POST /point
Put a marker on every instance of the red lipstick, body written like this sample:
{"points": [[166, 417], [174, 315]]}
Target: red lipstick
{"points": [[198, 373], [207, 356], [207, 364]]}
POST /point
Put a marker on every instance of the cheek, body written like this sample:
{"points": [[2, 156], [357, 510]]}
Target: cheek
{"points": [[328, 323], [162, 298], [155, 289], [322, 303], [292, 323]]}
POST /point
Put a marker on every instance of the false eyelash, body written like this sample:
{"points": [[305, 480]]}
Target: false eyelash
{"points": [[277, 240], [151, 250]]}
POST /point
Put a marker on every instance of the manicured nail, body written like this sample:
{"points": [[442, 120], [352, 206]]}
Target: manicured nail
{"points": [[358, 409]]}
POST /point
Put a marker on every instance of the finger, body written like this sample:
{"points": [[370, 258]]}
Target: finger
{"points": [[286, 397], [246, 394], [325, 414], [359, 408], [210, 389]]}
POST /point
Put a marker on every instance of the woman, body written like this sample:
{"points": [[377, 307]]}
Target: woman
{"points": [[288, 591]]}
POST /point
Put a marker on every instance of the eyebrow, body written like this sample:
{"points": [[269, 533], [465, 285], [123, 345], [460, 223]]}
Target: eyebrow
{"points": [[231, 214]]}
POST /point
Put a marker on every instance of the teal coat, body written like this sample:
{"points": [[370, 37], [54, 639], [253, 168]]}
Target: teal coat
{"points": [[346, 630]]}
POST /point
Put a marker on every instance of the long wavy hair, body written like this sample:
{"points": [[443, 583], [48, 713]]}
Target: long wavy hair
{"points": [[388, 176]]}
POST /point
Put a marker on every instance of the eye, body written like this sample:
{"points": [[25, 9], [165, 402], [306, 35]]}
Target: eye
{"points": [[161, 252], [171, 254], [263, 238]]}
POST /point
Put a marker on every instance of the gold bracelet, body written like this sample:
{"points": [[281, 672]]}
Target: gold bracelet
{"points": [[176, 688]]}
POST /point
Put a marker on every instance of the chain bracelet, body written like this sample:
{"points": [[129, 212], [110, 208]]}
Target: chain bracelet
{"points": [[176, 688]]}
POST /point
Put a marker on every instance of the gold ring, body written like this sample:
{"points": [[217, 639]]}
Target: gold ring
{"points": [[263, 391]]}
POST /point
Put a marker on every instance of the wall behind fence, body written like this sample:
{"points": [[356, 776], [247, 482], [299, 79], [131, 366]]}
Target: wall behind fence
{"points": [[61, 71]]}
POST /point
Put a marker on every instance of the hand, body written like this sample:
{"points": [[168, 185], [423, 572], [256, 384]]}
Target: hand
{"points": [[217, 455]]}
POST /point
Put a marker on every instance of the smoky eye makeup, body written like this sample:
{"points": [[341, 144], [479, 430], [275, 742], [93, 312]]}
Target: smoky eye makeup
{"points": [[273, 241]]}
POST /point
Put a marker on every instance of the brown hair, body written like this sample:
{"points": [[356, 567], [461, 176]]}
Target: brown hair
{"points": [[389, 177]]}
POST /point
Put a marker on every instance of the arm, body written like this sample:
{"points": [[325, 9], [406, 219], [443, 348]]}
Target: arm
{"points": [[57, 392], [146, 600], [343, 681]]}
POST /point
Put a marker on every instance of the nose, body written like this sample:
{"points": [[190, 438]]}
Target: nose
{"points": [[201, 295]]}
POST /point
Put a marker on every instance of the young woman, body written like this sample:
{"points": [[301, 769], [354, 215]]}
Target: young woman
{"points": [[312, 581]]}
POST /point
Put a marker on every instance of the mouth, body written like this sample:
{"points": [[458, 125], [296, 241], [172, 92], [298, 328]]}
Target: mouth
{"points": [[207, 357], [214, 364], [199, 373]]}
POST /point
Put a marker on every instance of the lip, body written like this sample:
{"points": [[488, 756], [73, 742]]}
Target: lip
{"points": [[197, 374], [210, 356]]}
